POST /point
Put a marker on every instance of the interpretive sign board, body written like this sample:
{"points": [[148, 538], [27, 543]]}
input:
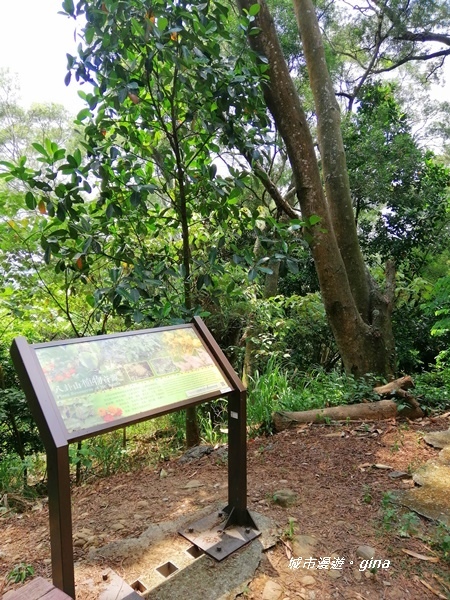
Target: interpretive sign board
{"points": [[98, 383], [83, 387]]}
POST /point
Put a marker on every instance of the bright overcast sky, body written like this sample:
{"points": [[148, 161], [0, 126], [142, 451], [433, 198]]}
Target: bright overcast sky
{"points": [[34, 41]]}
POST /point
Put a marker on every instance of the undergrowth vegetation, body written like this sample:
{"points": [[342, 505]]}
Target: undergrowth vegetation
{"points": [[396, 520], [273, 389]]}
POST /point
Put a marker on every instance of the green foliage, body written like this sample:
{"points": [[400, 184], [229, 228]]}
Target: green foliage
{"points": [[304, 281], [137, 447], [409, 524], [179, 89], [367, 494], [267, 392], [412, 321], [441, 541], [18, 432], [274, 389], [319, 389], [292, 329], [441, 307], [14, 471], [389, 511], [289, 532], [433, 385], [212, 430], [104, 455], [379, 39], [20, 573], [400, 192], [433, 389]]}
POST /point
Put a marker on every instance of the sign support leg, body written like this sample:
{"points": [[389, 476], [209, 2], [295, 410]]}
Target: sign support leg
{"points": [[221, 534], [60, 512], [237, 462]]}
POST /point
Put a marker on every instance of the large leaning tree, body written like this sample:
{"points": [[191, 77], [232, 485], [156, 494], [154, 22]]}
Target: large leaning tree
{"points": [[359, 312]]}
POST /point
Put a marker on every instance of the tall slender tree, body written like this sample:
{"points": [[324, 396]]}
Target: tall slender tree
{"points": [[359, 312]]}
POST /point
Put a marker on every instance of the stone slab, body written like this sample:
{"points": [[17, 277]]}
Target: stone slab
{"points": [[431, 497], [184, 572], [115, 588], [438, 439]]}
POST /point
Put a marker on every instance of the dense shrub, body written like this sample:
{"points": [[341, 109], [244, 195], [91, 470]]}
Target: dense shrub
{"points": [[18, 432]]}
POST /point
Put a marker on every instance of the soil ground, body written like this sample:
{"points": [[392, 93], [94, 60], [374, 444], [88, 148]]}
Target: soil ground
{"points": [[339, 501]]}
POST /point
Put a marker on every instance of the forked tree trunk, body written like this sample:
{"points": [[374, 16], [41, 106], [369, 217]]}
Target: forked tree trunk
{"points": [[358, 313]]}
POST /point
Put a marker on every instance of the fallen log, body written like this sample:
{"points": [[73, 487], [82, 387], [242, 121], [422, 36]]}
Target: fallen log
{"points": [[393, 387], [399, 388], [369, 411]]}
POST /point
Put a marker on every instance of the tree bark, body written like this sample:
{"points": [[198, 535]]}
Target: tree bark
{"points": [[331, 145], [271, 281], [358, 314], [393, 387]]}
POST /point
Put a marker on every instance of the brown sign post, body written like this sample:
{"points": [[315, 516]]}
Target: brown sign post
{"points": [[84, 387]]}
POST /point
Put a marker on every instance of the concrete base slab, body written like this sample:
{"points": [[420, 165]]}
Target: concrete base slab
{"points": [[174, 568], [114, 587]]}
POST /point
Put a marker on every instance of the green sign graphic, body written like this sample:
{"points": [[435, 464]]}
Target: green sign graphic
{"points": [[97, 381]]}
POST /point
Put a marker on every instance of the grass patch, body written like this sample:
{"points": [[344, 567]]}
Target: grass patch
{"points": [[275, 390]]}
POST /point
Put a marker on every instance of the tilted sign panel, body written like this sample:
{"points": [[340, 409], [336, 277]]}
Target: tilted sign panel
{"points": [[99, 381]]}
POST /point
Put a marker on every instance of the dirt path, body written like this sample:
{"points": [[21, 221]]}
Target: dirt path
{"points": [[338, 501]]}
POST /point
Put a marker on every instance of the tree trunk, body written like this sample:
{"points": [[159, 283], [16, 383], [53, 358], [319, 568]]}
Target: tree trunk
{"points": [[358, 314], [181, 204], [394, 387], [249, 356], [271, 281], [331, 145], [192, 427]]}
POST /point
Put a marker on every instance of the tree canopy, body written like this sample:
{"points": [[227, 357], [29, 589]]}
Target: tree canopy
{"points": [[213, 160]]}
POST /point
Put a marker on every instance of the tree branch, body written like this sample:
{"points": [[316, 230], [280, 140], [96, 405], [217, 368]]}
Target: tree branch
{"points": [[271, 188], [411, 58], [423, 37]]}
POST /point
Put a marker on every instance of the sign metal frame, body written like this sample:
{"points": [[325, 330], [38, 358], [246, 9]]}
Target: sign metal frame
{"points": [[56, 438]]}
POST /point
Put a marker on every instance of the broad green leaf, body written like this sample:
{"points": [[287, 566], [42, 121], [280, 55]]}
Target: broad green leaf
{"points": [[59, 154], [200, 282], [68, 6], [47, 255], [77, 156], [7, 164], [252, 274], [313, 219], [292, 266], [83, 114], [30, 200], [254, 10], [138, 317], [162, 23], [40, 149]]}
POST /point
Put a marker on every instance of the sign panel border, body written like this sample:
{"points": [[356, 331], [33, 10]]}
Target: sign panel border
{"points": [[56, 438], [32, 363]]}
